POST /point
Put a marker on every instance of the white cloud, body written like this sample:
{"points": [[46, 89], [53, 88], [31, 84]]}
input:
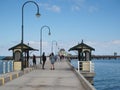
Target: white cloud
{"points": [[108, 47], [116, 42], [75, 8], [92, 9], [53, 8], [77, 5], [36, 44], [46, 46], [101, 48]]}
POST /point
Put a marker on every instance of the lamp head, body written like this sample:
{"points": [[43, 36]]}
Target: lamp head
{"points": [[49, 33], [38, 14]]}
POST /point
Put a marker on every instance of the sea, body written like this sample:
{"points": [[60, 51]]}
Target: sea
{"points": [[107, 74]]}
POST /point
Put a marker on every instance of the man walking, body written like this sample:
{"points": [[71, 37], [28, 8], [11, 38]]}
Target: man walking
{"points": [[44, 60]]}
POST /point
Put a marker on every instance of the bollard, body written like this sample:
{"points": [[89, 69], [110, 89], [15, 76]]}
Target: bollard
{"points": [[10, 77], [3, 81], [17, 75]]}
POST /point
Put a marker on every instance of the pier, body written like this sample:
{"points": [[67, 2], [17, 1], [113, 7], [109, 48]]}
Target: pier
{"points": [[64, 77], [98, 57]]}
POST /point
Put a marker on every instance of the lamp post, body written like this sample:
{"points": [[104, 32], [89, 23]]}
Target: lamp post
{"points": [[22, 39], [52, 45], [41, 40]]}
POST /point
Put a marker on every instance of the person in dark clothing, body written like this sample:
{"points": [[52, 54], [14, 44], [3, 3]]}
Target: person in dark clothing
{"points": [[34, 60], [44, 60]]}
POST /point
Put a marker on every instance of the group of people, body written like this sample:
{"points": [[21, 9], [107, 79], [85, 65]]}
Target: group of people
{"points": [[51, 57]]}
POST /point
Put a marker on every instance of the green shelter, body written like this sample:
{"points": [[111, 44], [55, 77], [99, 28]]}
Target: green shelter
{"points": [[17, 53], [84, 51]]}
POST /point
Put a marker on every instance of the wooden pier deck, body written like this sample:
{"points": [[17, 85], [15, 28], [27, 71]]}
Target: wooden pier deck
{"points": [[62, 78]]}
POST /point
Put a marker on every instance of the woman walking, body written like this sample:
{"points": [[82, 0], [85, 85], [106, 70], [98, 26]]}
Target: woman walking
{"points": [[52, 60]]}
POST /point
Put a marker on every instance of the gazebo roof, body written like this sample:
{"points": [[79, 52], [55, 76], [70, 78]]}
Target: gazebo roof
{"points": [[81, 46], [25, 47]]}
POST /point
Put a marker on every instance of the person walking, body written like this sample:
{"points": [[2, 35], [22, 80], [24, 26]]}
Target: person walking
{"points": [[52, 60], [44, 60], [34, 60]]}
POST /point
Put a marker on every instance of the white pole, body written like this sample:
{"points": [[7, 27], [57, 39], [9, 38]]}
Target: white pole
{"points": [[4, 67], [78, 66], [8, 66], [12, 66], [91, 67]]}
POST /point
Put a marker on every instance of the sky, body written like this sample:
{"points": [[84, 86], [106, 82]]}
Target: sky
{"points": [[96, 22]]}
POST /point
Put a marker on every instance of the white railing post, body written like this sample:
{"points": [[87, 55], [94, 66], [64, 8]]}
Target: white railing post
{"points": [[78, 66], [8, 66], [1, 66], [91, 67], [4, 67], [12, 66]]}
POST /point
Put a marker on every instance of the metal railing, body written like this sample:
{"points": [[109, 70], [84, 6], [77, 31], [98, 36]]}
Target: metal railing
{"points": [[6, 66], [86, 66]]}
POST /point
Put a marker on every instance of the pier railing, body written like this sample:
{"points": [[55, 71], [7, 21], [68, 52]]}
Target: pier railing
{"points": [[6, 66], [87, 66]]}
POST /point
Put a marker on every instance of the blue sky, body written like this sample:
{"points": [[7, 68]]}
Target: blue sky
{"points": [[97, 22]]}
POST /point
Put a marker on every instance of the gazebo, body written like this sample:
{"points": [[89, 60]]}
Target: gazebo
{"points": [[84, 51], [84, 56], [17, 53]]}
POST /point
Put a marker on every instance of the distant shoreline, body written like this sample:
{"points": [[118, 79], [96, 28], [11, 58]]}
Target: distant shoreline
{"points": [[6, 57], [98, 57]]}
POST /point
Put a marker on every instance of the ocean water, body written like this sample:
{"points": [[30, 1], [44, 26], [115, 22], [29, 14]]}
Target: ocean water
{"points": [[107, 74], [1, 57]]}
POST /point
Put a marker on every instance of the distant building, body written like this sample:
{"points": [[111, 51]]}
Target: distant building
{"points": [[62, 52], [115, 53]]}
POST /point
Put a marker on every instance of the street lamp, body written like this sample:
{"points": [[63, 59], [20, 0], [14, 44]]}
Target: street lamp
{"points": [[41, 40], [52, 45], [37, 14]]}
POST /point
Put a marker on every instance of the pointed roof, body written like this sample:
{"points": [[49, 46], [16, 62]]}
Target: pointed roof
{"points": [[25, 47], [81, 46]]}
